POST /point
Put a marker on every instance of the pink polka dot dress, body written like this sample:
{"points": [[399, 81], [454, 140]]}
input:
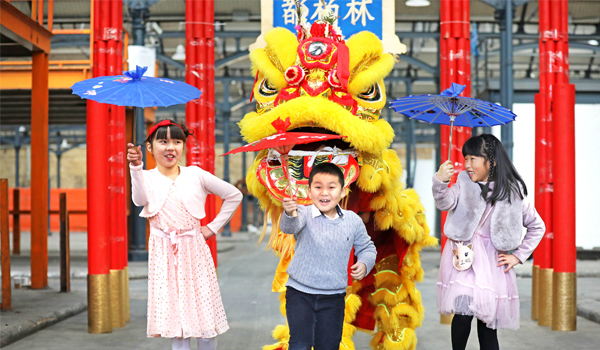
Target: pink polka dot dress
{"points": [[184, 299]]}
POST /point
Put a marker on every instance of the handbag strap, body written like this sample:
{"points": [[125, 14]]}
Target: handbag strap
{"points": [[486, 216]]}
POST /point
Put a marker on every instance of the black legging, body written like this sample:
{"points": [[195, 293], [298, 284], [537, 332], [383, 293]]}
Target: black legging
{"points": [[461, 328]]}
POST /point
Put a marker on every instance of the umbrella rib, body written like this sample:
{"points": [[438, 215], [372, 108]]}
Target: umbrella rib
{"points": [[422, 105], [150, 92], [408, 103], [483, 120], [434, 118], [500, 111], [166, 92], [490, 116], [467, 119], [418, 114]]}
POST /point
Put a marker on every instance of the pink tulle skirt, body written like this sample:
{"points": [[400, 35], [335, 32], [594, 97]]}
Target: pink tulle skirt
{"points": [[484, 290]]}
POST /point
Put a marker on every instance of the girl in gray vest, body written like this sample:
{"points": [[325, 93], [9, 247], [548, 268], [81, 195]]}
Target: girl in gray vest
{"points": [[487, 210]]}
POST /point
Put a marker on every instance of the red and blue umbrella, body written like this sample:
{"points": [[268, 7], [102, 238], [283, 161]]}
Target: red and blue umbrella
{"points": [[449, 108]]}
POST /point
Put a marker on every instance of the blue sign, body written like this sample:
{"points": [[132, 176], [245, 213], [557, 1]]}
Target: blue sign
{"points": [[353, 15]]}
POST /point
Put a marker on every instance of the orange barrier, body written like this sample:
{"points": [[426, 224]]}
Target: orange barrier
{"points": [[77, 203]]}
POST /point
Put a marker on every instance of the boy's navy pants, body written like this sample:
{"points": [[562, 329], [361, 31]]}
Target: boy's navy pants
{"points": [[315, 320]]}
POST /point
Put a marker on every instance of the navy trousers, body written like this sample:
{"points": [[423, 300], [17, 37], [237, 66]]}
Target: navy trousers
{"points": [[315, 320]]}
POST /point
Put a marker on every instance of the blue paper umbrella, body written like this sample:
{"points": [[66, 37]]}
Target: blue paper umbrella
{"points": [[134, 89], [449, 108]]}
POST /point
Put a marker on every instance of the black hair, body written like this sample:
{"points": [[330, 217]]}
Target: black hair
{"points": [[178, 132], [502, 170], [326, 168]]}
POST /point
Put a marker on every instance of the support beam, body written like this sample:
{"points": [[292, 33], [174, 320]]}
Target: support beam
{"points": [[39, 177], [58, 78], [417, 62], [506, 70], [23, 30]]}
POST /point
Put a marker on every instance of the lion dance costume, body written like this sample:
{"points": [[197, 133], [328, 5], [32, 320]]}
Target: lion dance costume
{"points": [[327, 85]]}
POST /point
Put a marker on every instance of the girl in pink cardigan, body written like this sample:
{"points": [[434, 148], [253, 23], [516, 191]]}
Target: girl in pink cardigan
{"points": [[184, 300], [487, 210]]}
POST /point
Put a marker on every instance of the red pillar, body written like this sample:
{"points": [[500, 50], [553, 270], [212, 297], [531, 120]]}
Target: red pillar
{"points": [[564, 280], [455, 67], [564, 176], [112, 35], [200, 113], [542, 281], [191, 76], [209, 32], [99, 183]]}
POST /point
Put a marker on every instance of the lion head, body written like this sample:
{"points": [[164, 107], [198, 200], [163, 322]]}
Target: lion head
{"points": [[324, 85]]}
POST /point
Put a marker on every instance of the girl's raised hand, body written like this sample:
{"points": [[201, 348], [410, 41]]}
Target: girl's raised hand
{"points": [[507, 259], [134, 154], [445, 172]]}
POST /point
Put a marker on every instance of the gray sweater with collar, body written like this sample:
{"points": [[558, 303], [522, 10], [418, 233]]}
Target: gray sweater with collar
{"points": [[322, 250]]}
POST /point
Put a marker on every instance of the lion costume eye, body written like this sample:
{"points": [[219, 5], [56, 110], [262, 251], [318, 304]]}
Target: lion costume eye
{"points": [[267, 90], [372, 94]]}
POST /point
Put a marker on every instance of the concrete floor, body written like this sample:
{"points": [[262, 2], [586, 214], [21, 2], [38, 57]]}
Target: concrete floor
{"points": [[245, 275]]}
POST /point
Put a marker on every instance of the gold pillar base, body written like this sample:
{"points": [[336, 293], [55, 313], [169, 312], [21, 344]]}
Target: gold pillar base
{"points": [[126, 316], [99, 318], [116, 298], [446, 319], [535, 292], [564, 292], [545, 297]]}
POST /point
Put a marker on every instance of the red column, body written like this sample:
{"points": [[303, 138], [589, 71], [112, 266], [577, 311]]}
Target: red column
{"points": [[113, 37], [455, 67], [543, 198], [105, 179], [543, 253], [560, 254], [191, 76], [209, 32], [200, 113], [564, 280], [564, 176]]}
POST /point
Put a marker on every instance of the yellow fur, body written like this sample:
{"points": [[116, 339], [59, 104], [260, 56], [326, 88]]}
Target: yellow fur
{"points": [[282, 45], [365, 137], [406, 340], [365, 79]]}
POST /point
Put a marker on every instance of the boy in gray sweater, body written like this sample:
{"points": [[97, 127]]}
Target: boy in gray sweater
{"points": [[318, 275]]}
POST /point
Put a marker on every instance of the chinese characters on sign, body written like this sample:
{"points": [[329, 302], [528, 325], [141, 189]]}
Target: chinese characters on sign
{"points": [[353, 15]]}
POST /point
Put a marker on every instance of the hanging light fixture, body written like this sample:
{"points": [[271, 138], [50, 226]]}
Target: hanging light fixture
{"points": [[179, 53], [417, 3]]}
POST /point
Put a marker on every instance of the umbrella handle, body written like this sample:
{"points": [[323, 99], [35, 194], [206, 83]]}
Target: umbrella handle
{"points": [[450, 144], [134, 128], [284, 158]]}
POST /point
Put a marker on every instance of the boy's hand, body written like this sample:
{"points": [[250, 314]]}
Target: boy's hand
{"points": [[510, 260], [290, 205], [359, 270], [206, 232], [445, 172], [134, 154]]}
